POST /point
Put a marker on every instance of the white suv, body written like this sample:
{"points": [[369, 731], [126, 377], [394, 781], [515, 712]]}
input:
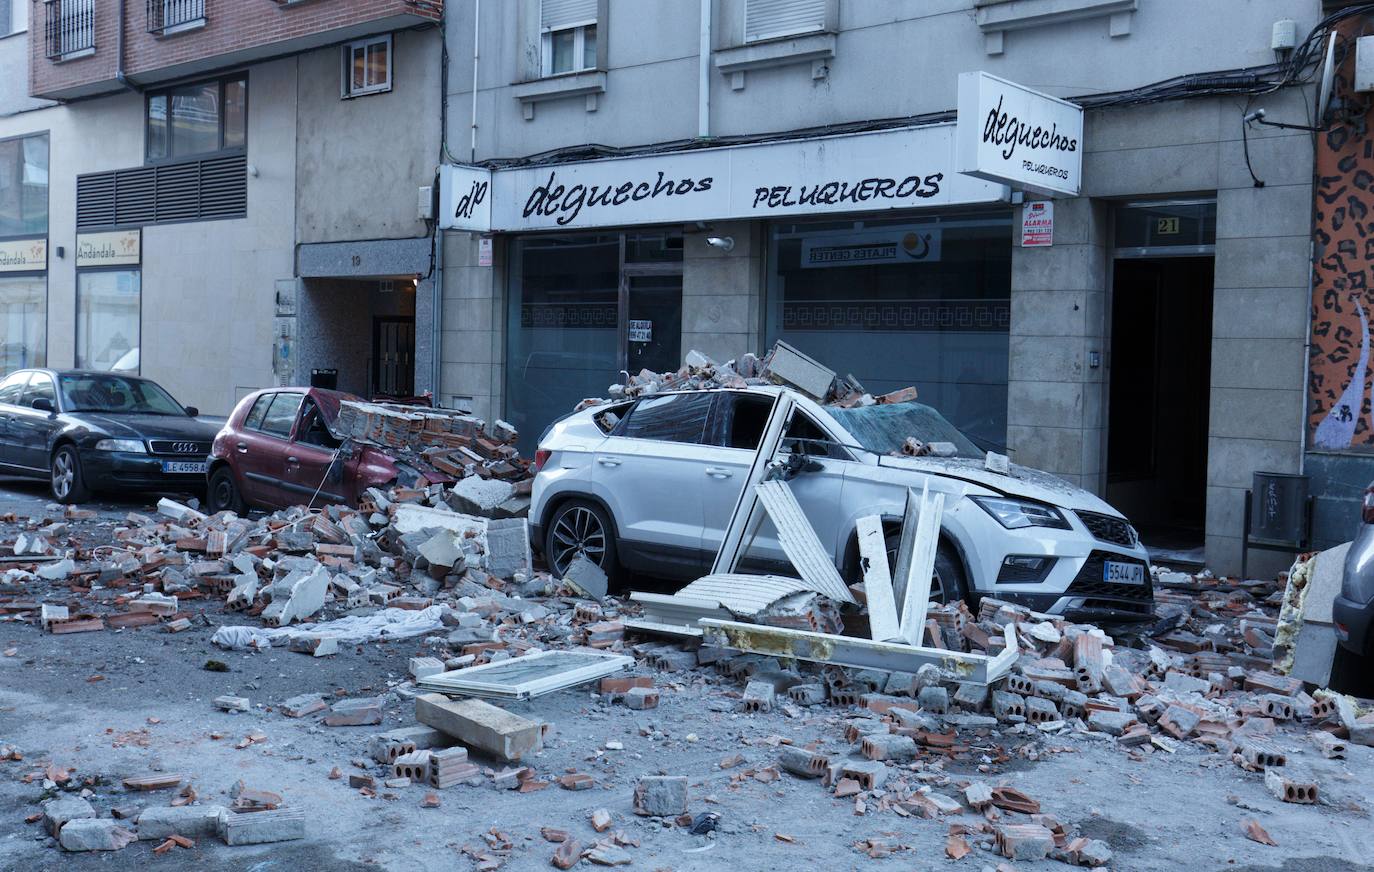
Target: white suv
{"points": [[649, 485]]}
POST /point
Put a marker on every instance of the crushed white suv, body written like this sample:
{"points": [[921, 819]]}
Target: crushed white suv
{"points": [[649, 485]]}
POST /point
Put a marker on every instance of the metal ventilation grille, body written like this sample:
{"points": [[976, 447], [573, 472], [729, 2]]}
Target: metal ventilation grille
{"points": [[198, 190]]}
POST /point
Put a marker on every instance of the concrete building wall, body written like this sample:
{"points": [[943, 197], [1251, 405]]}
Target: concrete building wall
{"points": [[651, 71], [207, 287], [722, 291], [14, 71], [381, 147], [472, 317]]}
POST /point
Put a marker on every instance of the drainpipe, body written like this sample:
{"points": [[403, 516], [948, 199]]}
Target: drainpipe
{"points": [[476, 30], [704, 73], [119, 56]]}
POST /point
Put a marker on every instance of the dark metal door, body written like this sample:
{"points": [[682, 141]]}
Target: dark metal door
{"points": [[393, 357], [652, 304]]}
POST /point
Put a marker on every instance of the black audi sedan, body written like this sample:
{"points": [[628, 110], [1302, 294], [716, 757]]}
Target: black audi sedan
{"points": [[100, 431]]}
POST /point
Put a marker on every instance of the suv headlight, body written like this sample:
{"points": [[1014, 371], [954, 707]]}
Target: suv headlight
{"points": [[131, 446], [1015, 514]]}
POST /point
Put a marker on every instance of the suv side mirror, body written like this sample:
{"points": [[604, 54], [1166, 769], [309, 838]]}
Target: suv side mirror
{"points": [[42, 404], [193, 411]]}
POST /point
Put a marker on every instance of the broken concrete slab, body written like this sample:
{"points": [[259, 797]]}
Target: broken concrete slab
{"points": [[262, 827], [661, 795], [57, 812], [356, 712], [194, 821], [95, 834], [587, 578], [480, 725]]}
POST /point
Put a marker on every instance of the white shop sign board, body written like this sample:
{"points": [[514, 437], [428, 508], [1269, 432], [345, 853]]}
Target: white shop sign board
{"points": [[904, 168], [1009, 133]]}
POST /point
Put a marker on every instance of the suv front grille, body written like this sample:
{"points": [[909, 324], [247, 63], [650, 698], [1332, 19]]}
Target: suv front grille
{"points": [[1089, 582], [1114, 530], [189, 447]]}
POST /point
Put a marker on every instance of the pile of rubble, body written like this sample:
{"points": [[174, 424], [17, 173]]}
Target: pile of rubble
{"points": [[783, 365], [432, 445]]}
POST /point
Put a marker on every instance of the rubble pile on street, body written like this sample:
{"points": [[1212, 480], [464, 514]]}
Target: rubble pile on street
{"points": [[783, 365], [436, 446]]}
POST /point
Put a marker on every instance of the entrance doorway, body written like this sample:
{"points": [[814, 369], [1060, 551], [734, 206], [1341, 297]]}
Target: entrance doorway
{"points": [[360, 333], [393, 357], [1160, 390], [582, 309]]}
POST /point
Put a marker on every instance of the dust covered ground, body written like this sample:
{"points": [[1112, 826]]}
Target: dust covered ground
{"points": [[120, 703]]}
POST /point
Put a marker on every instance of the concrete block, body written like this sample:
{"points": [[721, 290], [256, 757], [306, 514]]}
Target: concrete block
{"points": [[1040, 710], [1111, 723], [933, 698], [802, 372], [758, 696], [1028, 842], [1179, 722], [888, 746], [262, 827], [1278, 707], [802, 763], [191, 821], [640, 698], [442, 549], [480, 725], [94, 834], [661, 795], [57, 812], [1289, 787], [1074, 704], [232, 703], [508, 547], [1006, 706], [806, 694], [305, 704], [1330, 746], [587, 578], [869, 773], [357, 712], [971, 697], [423, 667]]}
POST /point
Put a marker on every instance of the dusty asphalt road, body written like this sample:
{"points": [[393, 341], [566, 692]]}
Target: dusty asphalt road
{"points": [[1166, 812]]}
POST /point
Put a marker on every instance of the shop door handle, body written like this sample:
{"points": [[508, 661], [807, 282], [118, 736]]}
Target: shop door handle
{"points": [[606, 461], [718, 472]]}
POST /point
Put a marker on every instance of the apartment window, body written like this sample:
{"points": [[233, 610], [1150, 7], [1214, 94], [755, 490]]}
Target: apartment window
{"points": [[24, 186], [70, 28], [199, 118], [14, 16], [774, 19], [568, 36], [108, 308], [367, 66], [166, 17]]}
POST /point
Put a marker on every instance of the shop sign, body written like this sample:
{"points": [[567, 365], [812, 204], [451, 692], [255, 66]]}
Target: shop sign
{"points": [[892, 169], [641, 331], [1009, 133], [114, 248], [880, 245], [1037, 224], [22, 255]]}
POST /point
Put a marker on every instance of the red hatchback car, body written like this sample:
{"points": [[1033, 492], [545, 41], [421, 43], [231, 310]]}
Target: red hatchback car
{"points": [[277, 450]]}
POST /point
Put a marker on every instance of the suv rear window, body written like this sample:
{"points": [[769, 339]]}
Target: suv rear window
{"points": [[668, 418], [739, 420]]}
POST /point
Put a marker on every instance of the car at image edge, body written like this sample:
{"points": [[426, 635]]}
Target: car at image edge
{"points": [[649, 485], [1353, 609], [100, 431]]}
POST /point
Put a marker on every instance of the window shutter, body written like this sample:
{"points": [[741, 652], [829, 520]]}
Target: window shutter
{"points": [[767, 19], [560, 14]]}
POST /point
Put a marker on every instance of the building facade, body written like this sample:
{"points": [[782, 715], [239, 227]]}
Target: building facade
{"points": [[1154, 353], [179, 211]]}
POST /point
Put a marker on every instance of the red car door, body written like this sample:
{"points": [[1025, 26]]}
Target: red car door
{"points": [[315, 475], [262, 446]]}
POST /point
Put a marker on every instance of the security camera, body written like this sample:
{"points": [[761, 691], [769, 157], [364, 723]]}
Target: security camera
{"points": [[724, 243], [1253, 116]]}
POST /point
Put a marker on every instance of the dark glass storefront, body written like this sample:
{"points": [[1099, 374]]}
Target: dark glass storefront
{"points": [[918, 300]]}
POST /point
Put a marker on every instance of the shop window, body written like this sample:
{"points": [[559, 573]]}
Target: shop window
{"points": [[367, 66], [199, 118], [775, 19], [921, 301], [24, 186], [23, 322], [568, 36], [108, 315]]}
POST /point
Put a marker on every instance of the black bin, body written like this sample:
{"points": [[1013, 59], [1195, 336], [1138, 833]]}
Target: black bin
{"points": [[324, 378], [1279, 508]]}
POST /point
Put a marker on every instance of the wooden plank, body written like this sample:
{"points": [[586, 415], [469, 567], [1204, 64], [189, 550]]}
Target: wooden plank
{"points": [[798, 540], [922, 566], [746, 507], [882, 606]]}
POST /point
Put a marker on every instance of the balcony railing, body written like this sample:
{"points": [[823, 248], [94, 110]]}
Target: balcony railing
{"points": [[70, 27], [171, 16]]}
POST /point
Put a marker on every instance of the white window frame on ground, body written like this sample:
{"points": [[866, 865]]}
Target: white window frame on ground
{"points": [[777, 19], [350, 52], [84, 357], [575, 18]]}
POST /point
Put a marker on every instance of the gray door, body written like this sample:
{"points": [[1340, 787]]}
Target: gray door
{"points": [[32, 427], [11, 393]]}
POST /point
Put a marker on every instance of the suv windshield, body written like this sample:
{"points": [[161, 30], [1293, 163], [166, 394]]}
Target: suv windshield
{"points": [[100, 392], [883, 429]]}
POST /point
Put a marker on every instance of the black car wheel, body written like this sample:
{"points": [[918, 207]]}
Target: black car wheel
{"points": [[223, 495], [68, 484], [580, 528], [947, 583]]}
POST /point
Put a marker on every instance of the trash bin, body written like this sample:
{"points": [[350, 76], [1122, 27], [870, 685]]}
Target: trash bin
{"points": [[324, 378], [1279, 513]]}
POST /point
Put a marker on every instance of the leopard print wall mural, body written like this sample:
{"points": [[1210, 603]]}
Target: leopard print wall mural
{"points": [[1339, 412]]}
